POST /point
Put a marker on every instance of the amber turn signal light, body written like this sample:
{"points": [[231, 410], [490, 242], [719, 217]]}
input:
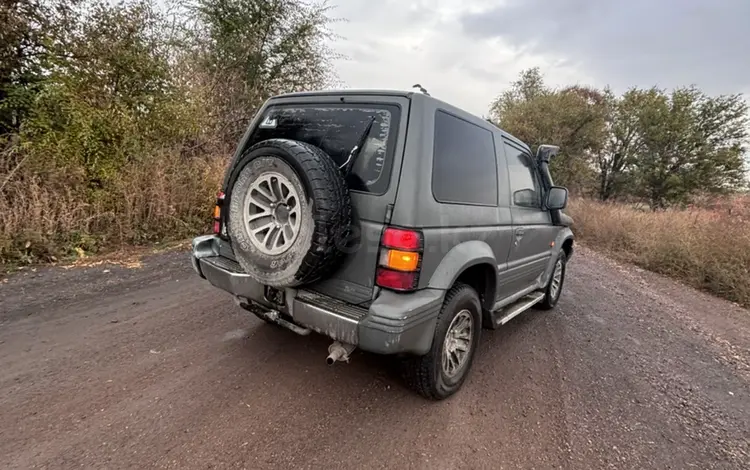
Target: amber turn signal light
{"points": [[400, 260]]}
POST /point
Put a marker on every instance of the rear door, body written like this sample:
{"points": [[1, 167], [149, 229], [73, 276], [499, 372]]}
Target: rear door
{"points": [[335, 124], [533, 231]]}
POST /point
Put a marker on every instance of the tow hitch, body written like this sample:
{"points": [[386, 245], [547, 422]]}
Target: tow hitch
{"points": [[272, 316]]}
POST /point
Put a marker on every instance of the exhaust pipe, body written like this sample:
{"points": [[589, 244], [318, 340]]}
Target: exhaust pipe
{"points": [[339, 352]]}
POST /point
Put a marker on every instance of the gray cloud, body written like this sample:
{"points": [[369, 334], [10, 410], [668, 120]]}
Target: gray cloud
{"points": [[483, 73], [639, 42]]}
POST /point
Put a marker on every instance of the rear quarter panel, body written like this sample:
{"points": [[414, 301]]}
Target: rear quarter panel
{"points": [[444, 225]]}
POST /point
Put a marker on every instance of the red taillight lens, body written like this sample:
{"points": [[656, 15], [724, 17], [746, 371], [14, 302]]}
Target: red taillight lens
{"points": [[396, 280], [402, 239]]}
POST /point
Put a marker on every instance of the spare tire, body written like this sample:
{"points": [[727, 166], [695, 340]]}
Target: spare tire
{"points": [[289, 213]]}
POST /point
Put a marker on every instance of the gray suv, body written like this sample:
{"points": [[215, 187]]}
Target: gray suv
{"points": [[388, 221]]}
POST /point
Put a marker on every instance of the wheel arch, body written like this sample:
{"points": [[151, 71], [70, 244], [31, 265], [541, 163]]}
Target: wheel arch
{"points": [[563, 242], [472, 263], [567, 246]]}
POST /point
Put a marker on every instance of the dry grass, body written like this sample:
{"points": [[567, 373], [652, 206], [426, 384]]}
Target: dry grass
{"points": [[48, 217], [706, 247]]}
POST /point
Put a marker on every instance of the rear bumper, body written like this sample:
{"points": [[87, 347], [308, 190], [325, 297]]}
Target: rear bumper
{"points": [[394, 323]]}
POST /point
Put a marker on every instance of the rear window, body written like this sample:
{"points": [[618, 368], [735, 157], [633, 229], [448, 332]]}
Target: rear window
{"points": [[336, 129]]}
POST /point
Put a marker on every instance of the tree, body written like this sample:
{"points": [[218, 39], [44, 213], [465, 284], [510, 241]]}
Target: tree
{"points": [[90, 85], [662, 147], [23, 52], [573, 118], [108, 95], [623, 141], [116, 117], [253, 49], [690, 143]]}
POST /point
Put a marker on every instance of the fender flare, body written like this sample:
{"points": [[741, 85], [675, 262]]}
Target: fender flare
{"points": [[460, 258], [564, 236]]}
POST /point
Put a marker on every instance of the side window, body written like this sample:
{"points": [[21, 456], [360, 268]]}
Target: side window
{"points": [[464, 168], [524, 183]]}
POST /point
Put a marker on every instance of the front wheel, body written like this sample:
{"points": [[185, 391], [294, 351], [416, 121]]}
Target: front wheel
{"points": [[441, 372], [555, 284]]}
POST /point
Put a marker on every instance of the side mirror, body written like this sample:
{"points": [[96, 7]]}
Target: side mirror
{"points": [[557, 198]]}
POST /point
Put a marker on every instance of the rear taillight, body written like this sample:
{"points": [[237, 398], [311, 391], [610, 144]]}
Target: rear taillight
{"points": [[402, 239], [396, 280], [400, 259], [217, 213]]}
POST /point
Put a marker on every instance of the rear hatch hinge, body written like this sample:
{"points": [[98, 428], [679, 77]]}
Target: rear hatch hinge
{"points": [[388, 214]]}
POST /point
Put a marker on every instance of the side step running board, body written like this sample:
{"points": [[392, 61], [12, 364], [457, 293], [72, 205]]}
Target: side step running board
{"points": [[521, 305]]}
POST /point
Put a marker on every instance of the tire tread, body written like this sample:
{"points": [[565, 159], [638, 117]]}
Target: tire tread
{"points": [[417, 371], [332, 211]]}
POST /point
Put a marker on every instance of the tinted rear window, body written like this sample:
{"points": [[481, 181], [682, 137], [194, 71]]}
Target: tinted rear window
{"points": [[336, 129], [464, 168]]}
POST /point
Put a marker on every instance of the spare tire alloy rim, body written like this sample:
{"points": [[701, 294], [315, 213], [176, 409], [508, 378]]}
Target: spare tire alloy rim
{"points": [[272, 213], [457, 343]]}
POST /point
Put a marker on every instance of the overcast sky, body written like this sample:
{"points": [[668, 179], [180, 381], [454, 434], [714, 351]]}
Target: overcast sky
{"points": [[467, 51]]}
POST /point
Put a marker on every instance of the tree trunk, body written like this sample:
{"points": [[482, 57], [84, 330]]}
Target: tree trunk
{"points": [[603, 190]]}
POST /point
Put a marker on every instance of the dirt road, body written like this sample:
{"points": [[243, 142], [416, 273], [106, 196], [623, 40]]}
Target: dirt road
{"points": [[152, 368]]}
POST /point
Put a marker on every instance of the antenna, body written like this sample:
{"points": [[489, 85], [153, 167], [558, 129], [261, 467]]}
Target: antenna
{"points": [[421, 89]]}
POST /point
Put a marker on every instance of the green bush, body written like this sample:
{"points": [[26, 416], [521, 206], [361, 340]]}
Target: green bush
{"points": [[116, 120]]}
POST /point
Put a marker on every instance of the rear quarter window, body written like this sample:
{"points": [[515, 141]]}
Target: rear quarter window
{"points": [[336, 129], [464, 165]]}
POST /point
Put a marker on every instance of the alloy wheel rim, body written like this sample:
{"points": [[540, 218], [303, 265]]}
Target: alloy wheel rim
{"points": [[556, 280], [272, 213], [457, 343]]}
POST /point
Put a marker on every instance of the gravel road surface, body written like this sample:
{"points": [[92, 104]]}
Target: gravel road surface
{"points": [[110, 367]]}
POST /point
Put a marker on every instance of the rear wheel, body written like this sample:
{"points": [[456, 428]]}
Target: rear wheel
{"points": [[441, 372]]}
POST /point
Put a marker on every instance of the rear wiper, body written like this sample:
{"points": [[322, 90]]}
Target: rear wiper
{"points": [[347, 166]]}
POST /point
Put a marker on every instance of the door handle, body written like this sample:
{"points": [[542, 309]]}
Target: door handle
{"points": [[520, 232]]}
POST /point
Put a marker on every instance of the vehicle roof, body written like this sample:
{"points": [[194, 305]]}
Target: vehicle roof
{"points": [[350, 91], [396, 92], [505, 134]]}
